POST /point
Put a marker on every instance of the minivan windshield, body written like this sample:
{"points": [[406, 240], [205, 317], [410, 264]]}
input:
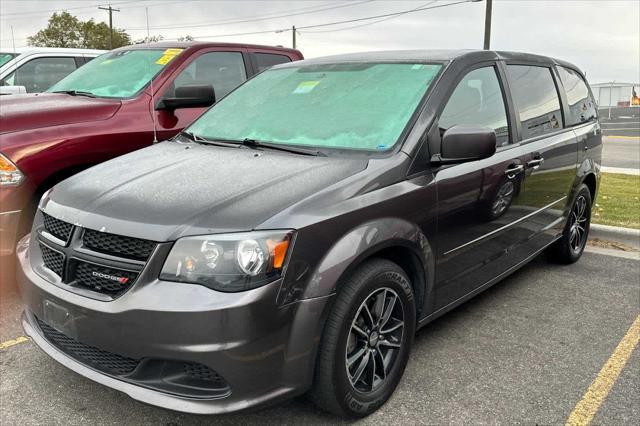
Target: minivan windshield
{"points": [[117, 74], [356, 106]]}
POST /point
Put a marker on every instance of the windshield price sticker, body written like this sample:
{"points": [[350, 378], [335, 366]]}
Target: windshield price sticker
{"points": [[168, 55], [306, 87]]}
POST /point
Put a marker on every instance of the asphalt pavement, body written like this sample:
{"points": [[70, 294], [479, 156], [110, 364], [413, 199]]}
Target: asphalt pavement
{"points": [[621, 152], [524, 351]]}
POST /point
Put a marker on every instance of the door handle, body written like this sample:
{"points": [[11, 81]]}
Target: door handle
{"points": [[513, 170], [535, 163]]}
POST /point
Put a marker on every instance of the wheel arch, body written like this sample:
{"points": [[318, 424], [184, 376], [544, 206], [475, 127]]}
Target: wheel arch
{"points": [[396, 240], [592, 183]]}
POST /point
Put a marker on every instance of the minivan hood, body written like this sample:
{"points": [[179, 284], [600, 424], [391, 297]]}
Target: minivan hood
{"points": [[38, 110], [174, 189]]}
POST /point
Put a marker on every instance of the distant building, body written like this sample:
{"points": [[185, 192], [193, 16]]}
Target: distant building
{"points": [[614, 94]]}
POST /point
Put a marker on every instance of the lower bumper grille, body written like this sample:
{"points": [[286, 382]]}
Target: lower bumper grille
{"points": [[104, 361], [186, 379]]}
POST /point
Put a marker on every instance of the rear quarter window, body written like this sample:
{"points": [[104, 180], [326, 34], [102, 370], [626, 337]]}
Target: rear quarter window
{"points": [[267, 60], [536, 97], [582, 108]]}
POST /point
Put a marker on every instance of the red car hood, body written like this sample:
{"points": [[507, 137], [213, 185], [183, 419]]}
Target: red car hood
{"points": [[34, 111]]}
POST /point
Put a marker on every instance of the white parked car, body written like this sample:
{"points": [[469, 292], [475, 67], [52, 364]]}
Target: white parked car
{"points": [[35, 69]]}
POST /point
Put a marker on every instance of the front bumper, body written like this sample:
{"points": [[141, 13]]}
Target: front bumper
{"points": [[14, 202], [264, 352], [9, 223]]}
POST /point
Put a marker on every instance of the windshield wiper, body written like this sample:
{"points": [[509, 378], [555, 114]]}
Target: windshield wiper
{"points": [[76, 93], [199, 139], [255, 144]]}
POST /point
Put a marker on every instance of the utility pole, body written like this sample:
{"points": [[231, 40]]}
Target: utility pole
{"points": [[293, 30], [110, 10], [487, 25]]}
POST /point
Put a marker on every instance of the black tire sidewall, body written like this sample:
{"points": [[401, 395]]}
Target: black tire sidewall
{"points": [[353, 402], [575, 255]]}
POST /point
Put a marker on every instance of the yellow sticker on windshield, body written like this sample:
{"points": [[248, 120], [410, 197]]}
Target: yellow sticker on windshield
{"points": [[306, 87], [164, 60], [168, 55], [172, 52]]}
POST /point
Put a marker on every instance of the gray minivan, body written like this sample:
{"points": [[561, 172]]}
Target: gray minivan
{"points": [[297, 234]]}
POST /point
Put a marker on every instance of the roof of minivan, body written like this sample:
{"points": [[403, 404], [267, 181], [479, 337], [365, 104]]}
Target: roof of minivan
{"points": [[432, 55]]}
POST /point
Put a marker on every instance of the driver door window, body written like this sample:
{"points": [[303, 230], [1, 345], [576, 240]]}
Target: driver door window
{"points": [[223, 70], [477, 101]]}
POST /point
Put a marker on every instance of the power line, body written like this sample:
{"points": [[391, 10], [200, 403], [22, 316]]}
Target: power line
{"points": [[296, 12], [46, 13], [39, 12], [372, 23], [282, 30], [387, 14]]}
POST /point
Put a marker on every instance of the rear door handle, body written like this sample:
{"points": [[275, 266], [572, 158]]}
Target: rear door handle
{"points": [[513, 170], [535, 163]]}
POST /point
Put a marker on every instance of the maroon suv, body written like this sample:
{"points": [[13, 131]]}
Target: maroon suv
{"points": [[106, 109]]}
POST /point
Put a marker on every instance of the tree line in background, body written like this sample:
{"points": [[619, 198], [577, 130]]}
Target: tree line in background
{"points": [[66, 30]]}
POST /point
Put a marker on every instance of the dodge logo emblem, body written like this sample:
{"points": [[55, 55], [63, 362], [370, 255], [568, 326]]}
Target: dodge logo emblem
{"points": [[121, 280]]}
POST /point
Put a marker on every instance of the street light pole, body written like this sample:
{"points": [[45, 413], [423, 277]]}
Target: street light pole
{"points": [[110, 10], [487, 25]]}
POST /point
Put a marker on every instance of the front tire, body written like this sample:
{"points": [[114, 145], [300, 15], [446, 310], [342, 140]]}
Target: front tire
{"points": [[366, 342], [569, 248]]}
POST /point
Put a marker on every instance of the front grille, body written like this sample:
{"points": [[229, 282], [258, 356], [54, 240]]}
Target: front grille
{"points": [[104, 361], [118, 245], [81, 262], [57, 227], [52, 259], [102, 279]]}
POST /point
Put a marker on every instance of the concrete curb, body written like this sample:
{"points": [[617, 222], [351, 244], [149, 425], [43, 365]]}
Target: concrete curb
{"points": [[626, 236], [621, 170]]}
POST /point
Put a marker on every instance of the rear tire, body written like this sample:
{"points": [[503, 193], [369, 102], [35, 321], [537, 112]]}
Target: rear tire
{"points": [[366, 342], [569, 248]]}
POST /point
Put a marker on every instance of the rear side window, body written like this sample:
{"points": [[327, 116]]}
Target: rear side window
{"points": [[582, 108], [477, 101], [39, 74], [535, 95], [267, 60], [224, 70]]}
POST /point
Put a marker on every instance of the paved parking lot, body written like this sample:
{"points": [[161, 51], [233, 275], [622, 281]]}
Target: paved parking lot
{"points": [[525, 351]]}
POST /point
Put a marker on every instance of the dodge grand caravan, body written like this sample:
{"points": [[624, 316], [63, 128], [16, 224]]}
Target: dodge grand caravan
{"points": [[296, 236], [105, 109]]}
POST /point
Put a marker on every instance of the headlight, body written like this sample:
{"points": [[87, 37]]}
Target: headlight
{"points": [[229, 262], [9, 173]]}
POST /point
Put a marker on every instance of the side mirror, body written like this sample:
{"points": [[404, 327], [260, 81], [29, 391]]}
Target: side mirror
{"points": [[12, 90], [461, 144], [191, 96]]}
